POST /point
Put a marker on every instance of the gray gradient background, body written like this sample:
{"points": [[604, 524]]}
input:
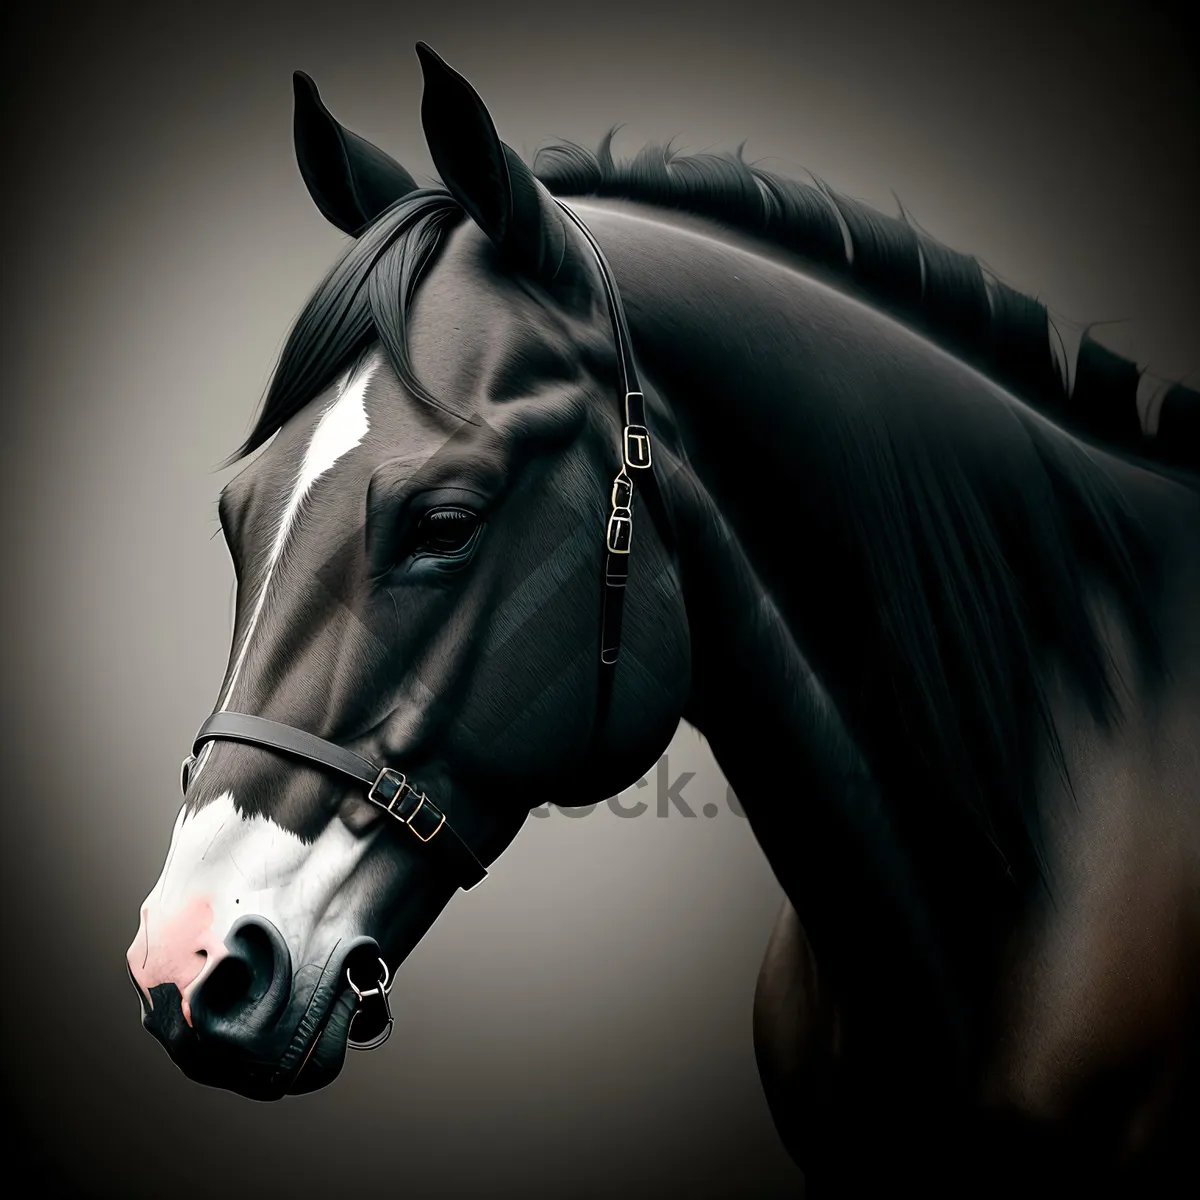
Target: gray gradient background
{"points": [[581, 1024]]}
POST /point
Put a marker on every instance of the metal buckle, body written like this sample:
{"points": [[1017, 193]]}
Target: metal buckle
{"points": [[637, 447], [185, 772], [416, 810], [622, 491], [402, 788], [619, 534], [398, 777]]}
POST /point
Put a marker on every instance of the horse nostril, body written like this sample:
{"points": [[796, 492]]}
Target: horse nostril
{"points": [[230, 984], [247, 990]]}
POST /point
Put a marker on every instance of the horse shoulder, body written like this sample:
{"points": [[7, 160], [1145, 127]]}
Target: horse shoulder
{"points": [[1102, 998]]}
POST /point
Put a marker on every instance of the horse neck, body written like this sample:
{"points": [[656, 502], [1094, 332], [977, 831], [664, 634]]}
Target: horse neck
{"points": [[745, 461], [783, 404]]}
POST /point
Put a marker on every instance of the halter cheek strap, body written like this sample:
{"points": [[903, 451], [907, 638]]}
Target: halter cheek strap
{"points": [[635, 456]]}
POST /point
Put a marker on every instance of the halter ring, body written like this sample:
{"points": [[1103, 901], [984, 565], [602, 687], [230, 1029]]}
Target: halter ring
{"points": [[381, 990]]}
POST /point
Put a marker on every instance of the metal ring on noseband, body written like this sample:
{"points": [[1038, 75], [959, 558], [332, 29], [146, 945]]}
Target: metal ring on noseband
{"points": [[381, 988]]}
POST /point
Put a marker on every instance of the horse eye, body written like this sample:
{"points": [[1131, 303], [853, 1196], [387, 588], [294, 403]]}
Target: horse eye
{"points": [[446, 531]]}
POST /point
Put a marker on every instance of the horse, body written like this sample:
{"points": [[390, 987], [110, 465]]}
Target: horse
{"points": [[931, 601]]}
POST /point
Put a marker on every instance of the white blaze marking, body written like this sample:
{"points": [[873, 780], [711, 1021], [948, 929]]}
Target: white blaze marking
{"points": [[222, 864], [342, 426]]}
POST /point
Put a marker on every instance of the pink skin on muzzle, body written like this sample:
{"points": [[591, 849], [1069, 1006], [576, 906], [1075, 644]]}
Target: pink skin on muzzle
{"points": [[177, 952]]}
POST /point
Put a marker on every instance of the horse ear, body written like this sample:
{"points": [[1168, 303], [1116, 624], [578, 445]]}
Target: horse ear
{"points": [[487, 177], [351, 180]]}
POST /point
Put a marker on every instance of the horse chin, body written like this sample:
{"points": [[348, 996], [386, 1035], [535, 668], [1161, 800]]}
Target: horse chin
{"points": [[260, 1080], [327, 1055]]}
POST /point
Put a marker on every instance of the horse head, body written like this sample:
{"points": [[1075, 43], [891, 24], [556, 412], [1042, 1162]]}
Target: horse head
{"points": [[425, 547]]}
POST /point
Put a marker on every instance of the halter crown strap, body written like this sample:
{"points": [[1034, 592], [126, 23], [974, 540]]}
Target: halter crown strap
{"points": [[386, 788]]}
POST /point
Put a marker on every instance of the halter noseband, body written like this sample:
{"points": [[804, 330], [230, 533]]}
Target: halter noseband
{"points": [[388, 788]]}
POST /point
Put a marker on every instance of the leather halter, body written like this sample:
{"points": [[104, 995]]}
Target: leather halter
{"points": [[388, 788]]}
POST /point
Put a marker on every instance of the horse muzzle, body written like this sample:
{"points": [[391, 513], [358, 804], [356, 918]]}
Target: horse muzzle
{"points": [[252, 1026]]}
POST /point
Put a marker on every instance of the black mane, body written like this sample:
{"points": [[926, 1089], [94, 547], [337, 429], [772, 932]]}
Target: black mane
{"points": [[895, 266]]}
